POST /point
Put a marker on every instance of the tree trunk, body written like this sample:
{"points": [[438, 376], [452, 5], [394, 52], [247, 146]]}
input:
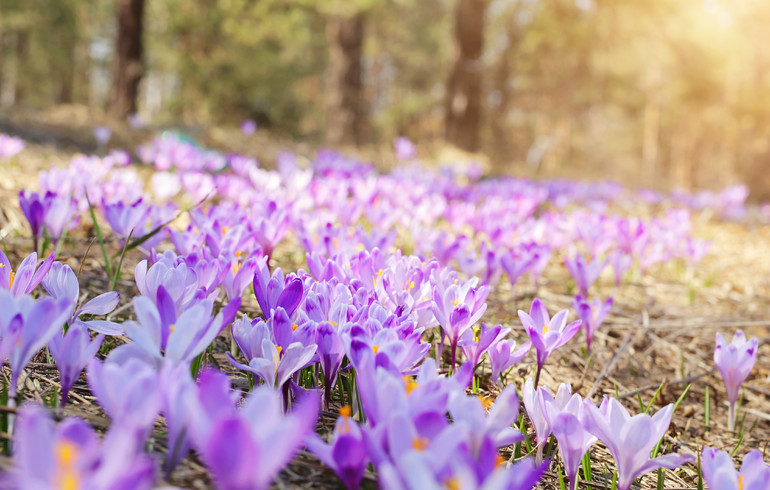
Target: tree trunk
{"points": [[128, 58], [346, 108], [463, 102]]}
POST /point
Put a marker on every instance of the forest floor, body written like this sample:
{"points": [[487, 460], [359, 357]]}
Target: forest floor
{"points": [[661, 329]]}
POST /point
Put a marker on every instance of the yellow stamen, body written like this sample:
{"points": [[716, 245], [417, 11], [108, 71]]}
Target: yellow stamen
{"points": [[499, 460], [409, 286], [2, 266], [420, 443], [171, 328], [65, 476], [455, 302], [345, 412], [487, 401], [375, 348], [11, 277], [740, 482], [333, 324], [224, 230], [410, 384], [379, 273], [452, 484], [294, 327], [545, 328]]}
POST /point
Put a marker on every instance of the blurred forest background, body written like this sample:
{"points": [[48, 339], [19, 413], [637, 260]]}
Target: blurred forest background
{"points": [[661, 93]]}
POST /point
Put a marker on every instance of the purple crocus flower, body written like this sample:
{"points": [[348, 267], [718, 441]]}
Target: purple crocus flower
{"points": [[456, 308], [61, 283], [26, 325], [246, 449], [404, 148], [60, 215], [102, 135], [27, 276], [126, 392], [72, 352], [719, 473], [547, 334], [346, 452], [240, 275], [505, 354], [734, 362], [568, 426], [331, 351], [584, 271], [10, 146], [515, 264], [274, 365], [34, 207], [248, 127], [274, 291], [535, 401], [176, 386], [179, 280], [70, 455], [592, 315], [630, 440], [163, 333], [126, 219], [475, 344]]}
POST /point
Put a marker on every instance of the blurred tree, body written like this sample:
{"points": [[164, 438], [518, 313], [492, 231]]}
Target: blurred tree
{"points": [[128, 69], [463, 101], [346, 105]]}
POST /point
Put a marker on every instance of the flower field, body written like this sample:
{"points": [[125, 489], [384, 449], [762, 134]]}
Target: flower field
{"points": [[176, 316]]}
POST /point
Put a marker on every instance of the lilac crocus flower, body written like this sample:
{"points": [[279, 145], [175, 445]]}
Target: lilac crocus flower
{"points": [[126, 392], [456, 308], [515, 265], [70, 455], [61, 283], [102, 135], [404, 148], [10, 146], [248, 127], [274, 365], [164, 333], [27, 276], [475, 344], [72, 352], [247, 449], [126, 219], [274, 291], [240, 275], [176, 386], [535, 401], [592, 315], [505, 354], [547, 334], [584, 271], [630, 440], [179, 280], [60, 215], [26, 325], [34, 206], [719, 473], [345, 453], [331, 351], [567, 424], [734, 362]]}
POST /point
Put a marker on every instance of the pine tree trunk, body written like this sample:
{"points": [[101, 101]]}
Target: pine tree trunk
{"points": [[463, 102], [346, 107], [128, 58]]}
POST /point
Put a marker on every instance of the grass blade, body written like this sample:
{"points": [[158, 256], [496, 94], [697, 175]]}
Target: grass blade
{"points": [[99, 237]]}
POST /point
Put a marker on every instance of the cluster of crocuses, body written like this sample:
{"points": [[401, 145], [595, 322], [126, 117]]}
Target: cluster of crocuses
{"points": [[366, 327]]}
